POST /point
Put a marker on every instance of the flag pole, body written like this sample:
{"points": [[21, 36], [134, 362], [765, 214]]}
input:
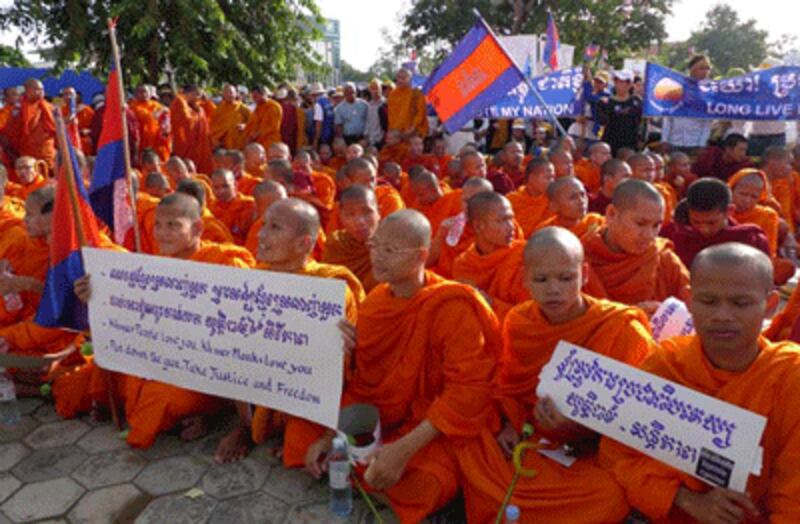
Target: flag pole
{"points": [[66, 159], [527, 80], [112, 34]]}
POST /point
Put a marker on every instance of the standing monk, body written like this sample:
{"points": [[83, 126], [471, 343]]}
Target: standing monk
{"points": [[555, 272], [406, 108], [32, 132], [190, 134], [430, 382], [151, 116], [632, 263], [264, 125], [228, 120], [727, 359]]}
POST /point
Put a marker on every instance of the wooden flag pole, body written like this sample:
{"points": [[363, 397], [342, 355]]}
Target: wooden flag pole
{"points": [[112, 34]]}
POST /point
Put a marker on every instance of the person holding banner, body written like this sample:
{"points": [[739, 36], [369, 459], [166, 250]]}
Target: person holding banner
{"points": [[566, 488], [621, 114], [731, 361], [689, 135], [432, 384]]}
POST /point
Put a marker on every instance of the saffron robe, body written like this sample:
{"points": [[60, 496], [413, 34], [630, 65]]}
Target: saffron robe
{"points": [[264, 125], [225, 122], [237, 215], [406, 109], [529, 211], [32, 131], [344, 250], [190, 135], [589, 174]]}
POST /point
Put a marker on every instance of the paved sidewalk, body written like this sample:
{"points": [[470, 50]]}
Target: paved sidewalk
{"points": [[79, 471]]}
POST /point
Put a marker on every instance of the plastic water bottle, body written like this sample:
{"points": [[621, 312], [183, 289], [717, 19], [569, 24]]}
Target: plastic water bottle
{"points": [[339, 477], [512, 514], [13, 301], [9, 408]]}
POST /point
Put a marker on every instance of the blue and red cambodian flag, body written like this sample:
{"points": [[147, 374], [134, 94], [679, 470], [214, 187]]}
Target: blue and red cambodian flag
{"points": [[591, 52], [476, 74], [552, 44], [109, 191], [59, 306]]}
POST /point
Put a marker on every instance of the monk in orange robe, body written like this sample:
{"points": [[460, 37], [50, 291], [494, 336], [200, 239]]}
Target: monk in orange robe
{"points": [[562, 162], [736, 365], [394, 149], [265, 194], [82, 119], [749, 187], [569, 202], [431, 382], [285, 245], [416, 157], [324, 185], [785, 184], [493, 264], [555, 272], [406, 107], [264, 125], [644, 168], [12, 210], [156, 185], [31, 174], [530, 202], [32, 131], [177, 170], [228, 120], [153, 118], [255, 159], [634, 265], [613, 172], [588, 169], [785, 325], [362, 171], [513, 165], [190, 134], [10, 103], [439, 152], [431, 201], [152, 407], [348, 246], [234, 209]]}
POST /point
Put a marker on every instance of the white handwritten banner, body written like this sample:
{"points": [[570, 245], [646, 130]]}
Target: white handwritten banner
{"points": [[705, 437], [257, 336]]}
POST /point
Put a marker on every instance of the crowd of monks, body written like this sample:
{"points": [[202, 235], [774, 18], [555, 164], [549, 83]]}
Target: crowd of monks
{"points": [[463, 273]]}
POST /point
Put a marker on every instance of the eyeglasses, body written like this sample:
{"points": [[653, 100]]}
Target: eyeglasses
{"points": [[387, 251]]}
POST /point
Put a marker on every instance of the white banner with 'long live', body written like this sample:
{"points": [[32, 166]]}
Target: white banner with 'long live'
{"points": [[707, 438], [262, 337]]}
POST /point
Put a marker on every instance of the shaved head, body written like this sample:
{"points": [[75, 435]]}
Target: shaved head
{"points": [[194, 189], [358, 193], [156, 181], [722, 258], [629, 192], [269, 187], [410, 226], [182, 205], [560, 183], [279, 150], [305, 217], [550, 240], [482, 204]]}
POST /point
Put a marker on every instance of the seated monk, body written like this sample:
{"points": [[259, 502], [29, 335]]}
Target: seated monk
{"points": [[255, 159], [153, 407], [359, 216], [493, 263], [363, 172], [530, 203], [392, 173], [431, 201], [555, 271], [727, 359], [12, 210], [748, 188], [394, 149], [156, 185], [513, 156], [285, 245], [644, 168], [776, 162], [150, 162], [324, 185], [416, 157], [439, 152], [339, 150], [633, 265], [178, 169], [245, 182], [30, 178], [353, 151], [265, 194], [612, 173], [708, 202], [679, 172], [569, 202], [562, 162], [588, 170], [234, 209], [431, 383]]}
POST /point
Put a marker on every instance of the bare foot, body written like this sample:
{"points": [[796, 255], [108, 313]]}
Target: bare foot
{"points": [[234, 446], [193, 428]]}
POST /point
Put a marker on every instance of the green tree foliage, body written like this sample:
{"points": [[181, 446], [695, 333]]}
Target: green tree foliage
{"points": [[619, 27], [729, 41], [348, 73], [12, 57], [241, 41]]}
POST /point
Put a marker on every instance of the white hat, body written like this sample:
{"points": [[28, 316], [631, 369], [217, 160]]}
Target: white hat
{"points": [[281, 93], [624, 74], [317, 89]]}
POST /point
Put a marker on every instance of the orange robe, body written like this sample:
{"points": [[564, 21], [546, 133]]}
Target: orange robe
{"points": [[589, 174], [500, 274], [300, 434], [406, 110], [190, 135], [33, 131], [389, 201], [448, 205], [153, 407], [670, 197], [767, 219], [324, 190], [264, 124], [237, 214], [429, 162], [782, 326], [429, 357], [344, 250], [213, 230], [530, 211], [582, 493], [21, 192], [396, 153], [247, 183], [151, 133], [443, 161], [337, 162], [655, 275], [787, 192], [12, 212], [770, 386], [448, 254], [590, 223], [225, 122]]}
